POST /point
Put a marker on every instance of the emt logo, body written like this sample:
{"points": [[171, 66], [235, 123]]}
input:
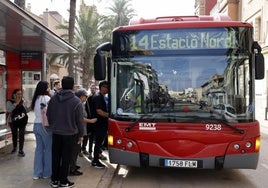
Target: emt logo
{"points": [[147, 126]]}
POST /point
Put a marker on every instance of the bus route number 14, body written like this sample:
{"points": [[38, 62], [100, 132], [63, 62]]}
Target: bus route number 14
{"points": [[213, 127]]}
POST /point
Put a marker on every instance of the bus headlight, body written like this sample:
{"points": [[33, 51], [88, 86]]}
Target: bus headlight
{"points": [[110, 140], [257, 144]]}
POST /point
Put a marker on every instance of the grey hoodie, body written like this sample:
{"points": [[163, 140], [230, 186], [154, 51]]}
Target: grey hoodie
{"points": [[65, 113]]}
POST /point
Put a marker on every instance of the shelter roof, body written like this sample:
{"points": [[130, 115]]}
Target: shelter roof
{"points": [[19, 31]]}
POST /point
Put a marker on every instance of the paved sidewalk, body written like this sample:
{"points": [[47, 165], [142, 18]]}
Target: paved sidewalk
{"points": [[17, 172], [260, 114]]}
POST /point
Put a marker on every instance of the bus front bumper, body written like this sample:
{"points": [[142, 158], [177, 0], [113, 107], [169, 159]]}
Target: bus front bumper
{"points": [[124, 157]]}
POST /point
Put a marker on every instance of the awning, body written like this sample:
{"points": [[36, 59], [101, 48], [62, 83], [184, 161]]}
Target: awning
{"points": [[21, 32]]}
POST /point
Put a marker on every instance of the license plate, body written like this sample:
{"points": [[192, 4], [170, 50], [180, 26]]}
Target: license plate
{"points": [[181, 163]]}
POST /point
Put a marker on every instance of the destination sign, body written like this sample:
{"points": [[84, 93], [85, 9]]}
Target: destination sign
{"points": [[180, 39]]}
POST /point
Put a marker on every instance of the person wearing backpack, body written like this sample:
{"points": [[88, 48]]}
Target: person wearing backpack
{"points": [[17, 120]]}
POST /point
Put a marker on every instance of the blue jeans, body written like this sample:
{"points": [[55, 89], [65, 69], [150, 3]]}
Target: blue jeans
{"points": [[43, 151]]}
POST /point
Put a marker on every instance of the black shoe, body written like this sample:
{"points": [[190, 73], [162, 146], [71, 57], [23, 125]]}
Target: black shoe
{"points": [[97, 165], [21, 153], [77, 167], [75, 173], [90, 157], [85, 152], [54, 184], [67, 185], [14, 150]]}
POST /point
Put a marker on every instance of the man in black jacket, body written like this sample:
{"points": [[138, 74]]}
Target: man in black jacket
{"points": [[65, 117], [100, 112]]}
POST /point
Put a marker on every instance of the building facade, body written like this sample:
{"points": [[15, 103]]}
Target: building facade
{"points": [[253, 12], [56, 66]]}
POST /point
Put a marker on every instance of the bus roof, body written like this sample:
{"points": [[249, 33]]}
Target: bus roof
{"points": [[218, 17], [168, 22]]}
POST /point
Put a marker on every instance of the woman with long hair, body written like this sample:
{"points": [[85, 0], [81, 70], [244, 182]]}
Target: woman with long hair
{"points": [[14, 103], [43, 156]]}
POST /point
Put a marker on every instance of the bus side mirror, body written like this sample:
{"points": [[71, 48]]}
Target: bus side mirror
{"points": [[259, 66], [99, 66]]}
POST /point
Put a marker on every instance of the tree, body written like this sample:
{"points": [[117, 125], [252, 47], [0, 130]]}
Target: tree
{"points": [[87, 39], [71, 36], [121, 13]]}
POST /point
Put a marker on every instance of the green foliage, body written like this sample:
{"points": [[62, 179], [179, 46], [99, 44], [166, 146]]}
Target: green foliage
{"points": [[92, 29], [122, 12]]}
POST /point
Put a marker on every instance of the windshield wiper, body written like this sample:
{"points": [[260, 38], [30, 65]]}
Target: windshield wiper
{"points": [[223, 121], [212, 118]]}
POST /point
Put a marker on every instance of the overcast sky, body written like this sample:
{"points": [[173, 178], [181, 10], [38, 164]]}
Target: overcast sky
{"points": [[144, 8]]}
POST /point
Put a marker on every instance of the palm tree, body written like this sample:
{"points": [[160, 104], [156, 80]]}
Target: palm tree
{"points": [[71, 36], [87, 39], [71, 28], [121, 13]]}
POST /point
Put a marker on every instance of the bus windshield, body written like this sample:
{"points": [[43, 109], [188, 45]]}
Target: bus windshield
{"points": [[182, 87], [181, 73]]}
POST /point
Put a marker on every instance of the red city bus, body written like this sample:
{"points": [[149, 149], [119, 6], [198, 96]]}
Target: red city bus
{"points": [[182, 93]]}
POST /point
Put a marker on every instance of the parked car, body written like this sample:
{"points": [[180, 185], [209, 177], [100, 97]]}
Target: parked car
{"points": [[225, 110]]}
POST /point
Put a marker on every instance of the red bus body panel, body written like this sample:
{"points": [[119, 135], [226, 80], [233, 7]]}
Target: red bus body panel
{"points": [[183, 140]]}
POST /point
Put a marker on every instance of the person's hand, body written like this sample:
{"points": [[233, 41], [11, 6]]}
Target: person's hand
{"points": [[17, 99], [93, 120]]}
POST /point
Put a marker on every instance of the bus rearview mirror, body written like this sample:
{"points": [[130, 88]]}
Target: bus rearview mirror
{"points": [[259, 66], [99, 67]]}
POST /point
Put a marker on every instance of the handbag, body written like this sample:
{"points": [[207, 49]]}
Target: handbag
{"points": [[43, 107], [19, 115]]}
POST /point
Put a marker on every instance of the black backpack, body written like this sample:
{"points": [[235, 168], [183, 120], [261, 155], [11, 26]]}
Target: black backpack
{"points": [[19, 115]]}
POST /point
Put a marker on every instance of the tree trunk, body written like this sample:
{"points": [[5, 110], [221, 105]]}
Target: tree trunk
{"points": [[71, 36], [86, 71]]}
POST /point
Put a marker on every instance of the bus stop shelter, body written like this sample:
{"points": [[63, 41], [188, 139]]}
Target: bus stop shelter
{"points": [[24, 43]]}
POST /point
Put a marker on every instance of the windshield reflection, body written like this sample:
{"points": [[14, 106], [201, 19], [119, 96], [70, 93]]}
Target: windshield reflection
{"points": [[178, 87]]}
